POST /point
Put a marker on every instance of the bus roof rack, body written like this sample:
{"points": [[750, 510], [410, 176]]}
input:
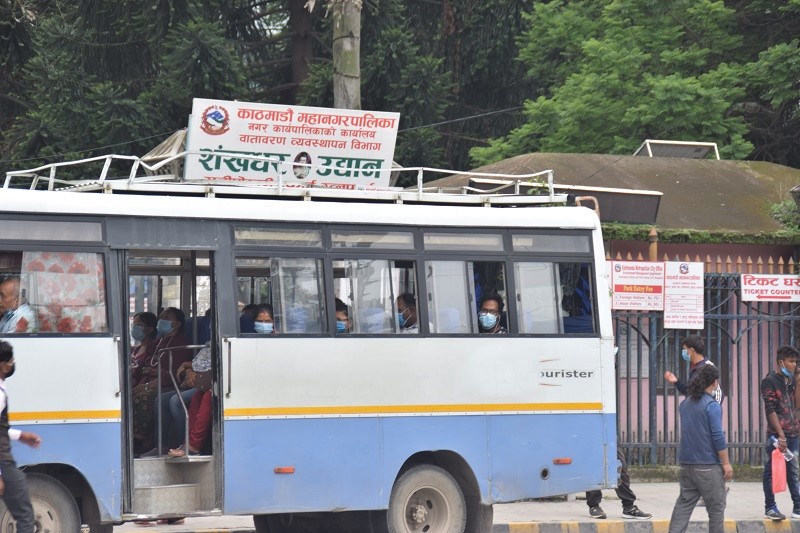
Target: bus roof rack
{"points": [[146, 178]]}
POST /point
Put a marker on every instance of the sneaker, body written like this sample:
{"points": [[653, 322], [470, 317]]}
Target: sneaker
{"points": [[774, 514], [795, 513], [597, 512], [635, 514]]}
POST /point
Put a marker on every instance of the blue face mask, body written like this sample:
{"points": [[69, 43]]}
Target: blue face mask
{"points": [[685, 355], [401, 320], [341, 326], [786, 372], [264, 327], [488, 320], [164, 326], [137, 332]]}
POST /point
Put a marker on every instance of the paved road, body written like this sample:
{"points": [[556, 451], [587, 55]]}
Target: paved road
{"points": [[745, 514]]}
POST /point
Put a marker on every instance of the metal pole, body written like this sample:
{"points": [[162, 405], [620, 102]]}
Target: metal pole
{"points": [[653, 386]]}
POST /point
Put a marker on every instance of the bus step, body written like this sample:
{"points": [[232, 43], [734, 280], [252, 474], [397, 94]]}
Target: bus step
{"points": [[190, 459], [166, 499]]}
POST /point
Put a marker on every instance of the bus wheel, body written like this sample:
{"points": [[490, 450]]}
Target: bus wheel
{"points": [[426, 498], [54, 508]]}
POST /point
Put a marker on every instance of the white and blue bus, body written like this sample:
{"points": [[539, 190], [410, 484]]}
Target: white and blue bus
{"points": [[383, 427]]}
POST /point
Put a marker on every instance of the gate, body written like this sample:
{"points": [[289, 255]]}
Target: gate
{"points": [[741, 339]]}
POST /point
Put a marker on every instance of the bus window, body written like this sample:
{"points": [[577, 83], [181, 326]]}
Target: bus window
{"points": [[52, 292], [456, 289], [292, 286], [370, 289], [554, 298]]}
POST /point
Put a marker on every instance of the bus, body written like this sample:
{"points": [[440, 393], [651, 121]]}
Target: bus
{"points": [[503, 390]]}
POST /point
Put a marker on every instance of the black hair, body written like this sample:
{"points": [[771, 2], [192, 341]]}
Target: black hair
{"points": [[705, 377], [341, 306], [408, 299], [149, 319], [6, 352], [179, 317], [695, 342], [497, 298], [787, 352], [262, 308]]}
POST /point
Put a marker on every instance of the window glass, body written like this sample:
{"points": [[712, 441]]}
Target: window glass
{"points": [[52, 292], [554, 298], [456, 290], [397, 240], [291, 287], [153, 292], [551, 243], [464, 241], [39, 230], [279, 237], [371, 293]]}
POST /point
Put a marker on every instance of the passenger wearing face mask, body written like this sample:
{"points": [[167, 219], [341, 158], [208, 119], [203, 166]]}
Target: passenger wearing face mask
{"points": [[264, 320], [407, 313], [170, 335], [342, 318], [16, 316], [489, 316], [143, 331], [692, 350]]}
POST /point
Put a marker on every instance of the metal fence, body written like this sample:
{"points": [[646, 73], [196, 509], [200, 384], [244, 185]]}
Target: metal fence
{"points": [[741, 339]]}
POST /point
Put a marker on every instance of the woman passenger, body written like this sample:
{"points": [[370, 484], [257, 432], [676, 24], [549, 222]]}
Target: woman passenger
{"points": [[265, 320], [144, 332], [170, 329]]}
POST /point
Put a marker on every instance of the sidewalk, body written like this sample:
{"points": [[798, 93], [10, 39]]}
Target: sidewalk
{"points": [[744, 514]]}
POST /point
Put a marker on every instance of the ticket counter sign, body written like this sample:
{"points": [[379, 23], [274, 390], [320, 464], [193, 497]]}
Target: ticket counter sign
{"points": [[770, 288], [638, 285], [303, 146]]}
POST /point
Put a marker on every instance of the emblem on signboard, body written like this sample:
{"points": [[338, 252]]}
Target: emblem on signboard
{"points": [[216, 120], [684, 268]]}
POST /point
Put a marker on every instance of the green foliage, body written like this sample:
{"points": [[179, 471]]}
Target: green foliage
{"points": [[639, 232], [787, 213]]}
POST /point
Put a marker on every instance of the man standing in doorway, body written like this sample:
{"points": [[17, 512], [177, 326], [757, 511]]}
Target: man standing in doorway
{"points": [[13, 485], [777, 391]]}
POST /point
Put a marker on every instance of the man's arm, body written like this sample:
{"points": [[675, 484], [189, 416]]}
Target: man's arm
{"points": [[718, 438]]}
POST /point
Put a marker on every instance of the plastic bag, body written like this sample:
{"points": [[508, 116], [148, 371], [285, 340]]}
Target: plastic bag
{"points": [[778, 472]]}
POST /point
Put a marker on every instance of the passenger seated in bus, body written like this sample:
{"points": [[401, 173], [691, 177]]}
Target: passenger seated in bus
{"points": [[197, 375], [170, 328], [489, 315], [17, 315], [246, 319], [342, 317], [407, 313], [264, 323], [144, 333]]}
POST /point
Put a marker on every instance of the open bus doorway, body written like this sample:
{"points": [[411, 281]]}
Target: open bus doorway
{"points": [[171, 403]]}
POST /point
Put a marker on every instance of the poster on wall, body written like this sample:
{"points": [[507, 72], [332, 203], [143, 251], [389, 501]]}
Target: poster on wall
{"points": [[684, 305], [637, 285], [770, 287], [300, 146]]}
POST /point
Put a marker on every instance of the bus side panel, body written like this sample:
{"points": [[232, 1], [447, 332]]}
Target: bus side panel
{"points": [[525, 450], [335, 460], [93, 449]]}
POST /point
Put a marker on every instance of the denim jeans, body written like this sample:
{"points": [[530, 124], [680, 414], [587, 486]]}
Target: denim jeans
{"points": [[173, 418], [793, 443]]}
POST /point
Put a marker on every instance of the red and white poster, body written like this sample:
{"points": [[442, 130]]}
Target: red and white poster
{"points": [[301, 146], [637, 285], [770, 288], [683, 295]]}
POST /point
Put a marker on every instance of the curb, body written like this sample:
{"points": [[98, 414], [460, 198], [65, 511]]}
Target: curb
{"points": [[646, 526]]}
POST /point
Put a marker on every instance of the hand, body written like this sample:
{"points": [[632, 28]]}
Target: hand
{"points": [[669, 376], [782, 445], [727, 471], [190, 377], [2, 487], [31, 439]]}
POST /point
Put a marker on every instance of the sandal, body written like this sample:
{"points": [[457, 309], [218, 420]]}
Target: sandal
{"points": [[144, 523], [180, 451]]}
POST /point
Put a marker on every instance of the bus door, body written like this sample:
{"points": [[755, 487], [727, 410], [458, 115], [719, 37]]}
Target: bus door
{"points": [[167, 268]]}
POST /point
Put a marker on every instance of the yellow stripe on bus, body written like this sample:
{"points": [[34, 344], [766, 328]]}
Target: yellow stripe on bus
{"points": [[376, 409], [63, 415]]}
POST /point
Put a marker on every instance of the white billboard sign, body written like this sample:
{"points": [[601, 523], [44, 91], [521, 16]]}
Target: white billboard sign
{"points": [[770, 288], [304, 146], [684, 306], [637, 285]]}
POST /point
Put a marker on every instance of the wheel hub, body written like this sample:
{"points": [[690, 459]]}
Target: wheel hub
{"points": [[419, 513]]}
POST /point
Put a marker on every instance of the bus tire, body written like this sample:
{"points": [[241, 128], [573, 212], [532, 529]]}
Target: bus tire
{"points": [[426, 498], [54, 508]]}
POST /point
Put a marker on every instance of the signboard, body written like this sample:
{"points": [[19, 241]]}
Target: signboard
{"points": [[637, 285], [770, 288], [683, 295], [305, 146]]}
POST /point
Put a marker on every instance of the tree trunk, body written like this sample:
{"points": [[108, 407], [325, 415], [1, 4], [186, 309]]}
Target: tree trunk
{"points": [[302, 45], [346, 54]]}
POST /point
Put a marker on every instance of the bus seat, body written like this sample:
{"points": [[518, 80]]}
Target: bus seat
{"points": [[372, 320], [296, 319]]}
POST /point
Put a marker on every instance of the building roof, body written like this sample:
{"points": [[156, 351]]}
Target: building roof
{"points": [[698, 194]]}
